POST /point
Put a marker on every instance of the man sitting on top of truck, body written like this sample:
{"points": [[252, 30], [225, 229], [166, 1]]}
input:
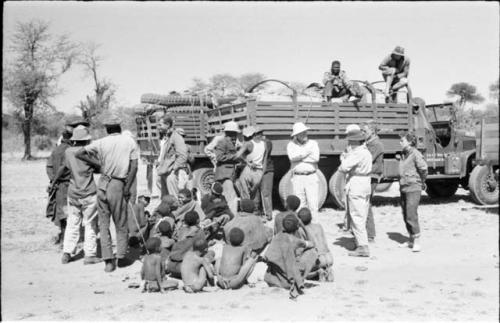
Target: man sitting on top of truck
{"points": [[395, 69], [337, 85]]}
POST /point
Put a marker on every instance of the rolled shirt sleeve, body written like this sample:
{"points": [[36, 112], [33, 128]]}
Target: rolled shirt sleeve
{"points": [[385, 63], [421, 166]]}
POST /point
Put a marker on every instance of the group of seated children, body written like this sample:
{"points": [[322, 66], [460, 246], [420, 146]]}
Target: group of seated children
{"points": [[181, 240]]}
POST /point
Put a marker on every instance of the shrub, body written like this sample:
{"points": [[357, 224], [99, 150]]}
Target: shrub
{"points": [[42, 142]]}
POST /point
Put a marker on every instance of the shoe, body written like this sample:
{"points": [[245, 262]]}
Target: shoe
{"points": [[371, 240], [110, 265], [353, 99], [91, 260], [361, 251], [407, 244], [122, 262], [66, 258], [416, 245]]}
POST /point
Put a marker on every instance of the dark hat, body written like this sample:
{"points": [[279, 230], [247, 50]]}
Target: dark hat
{"points": [[236, 236], [305, 215], [153, 244], [163, 209], [165, 228], [217, 188], [247, 205], [76, 121], [292, 202], [399, 51], [111, 120], [81, 133], [290, 223], [170, 201], [191, 218]]}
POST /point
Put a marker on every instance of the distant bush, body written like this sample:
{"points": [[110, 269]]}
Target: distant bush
{"points": [[42, 142], [12, 141]]}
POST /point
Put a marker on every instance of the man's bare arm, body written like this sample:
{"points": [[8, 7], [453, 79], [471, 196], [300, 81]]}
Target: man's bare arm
{"points": [[130, 178], [84, 155]]}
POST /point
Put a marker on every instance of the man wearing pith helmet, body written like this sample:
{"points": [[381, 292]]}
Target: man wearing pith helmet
{"points": [[118, 155], [226, 159], [395, 68], [304, 157]]}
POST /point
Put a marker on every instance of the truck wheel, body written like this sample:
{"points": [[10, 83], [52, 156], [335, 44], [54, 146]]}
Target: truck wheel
{"points": [[285, 187], [337, 189], [483, 186], [203, 179], [382, 187], [440, 189]]}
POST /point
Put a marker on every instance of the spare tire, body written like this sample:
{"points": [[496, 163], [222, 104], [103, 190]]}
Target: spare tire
{"points": [[203, 179], [336, 184], [189, 100], [483, 186], [285, 187]]}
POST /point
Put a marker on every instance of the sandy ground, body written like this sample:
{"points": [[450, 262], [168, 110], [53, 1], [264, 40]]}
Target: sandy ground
{"points": [[455, 277]]}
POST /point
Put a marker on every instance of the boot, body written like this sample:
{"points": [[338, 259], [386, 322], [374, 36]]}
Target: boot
{"points": [[66, 258], [416, 245], [110, 265], [361, 251]]}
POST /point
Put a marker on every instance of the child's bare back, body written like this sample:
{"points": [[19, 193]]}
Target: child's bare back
{"points": [[232, 259], [153, 270], [195, 269]]}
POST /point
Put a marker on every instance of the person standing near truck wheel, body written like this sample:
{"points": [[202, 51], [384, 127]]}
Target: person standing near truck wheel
{"points": [[357, 165], [304, 157], [173, 157], [226, 160], [412, 175], [376, 148]]}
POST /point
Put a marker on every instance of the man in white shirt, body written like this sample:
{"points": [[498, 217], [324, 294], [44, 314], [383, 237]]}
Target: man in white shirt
{"points": [[304, 157], [357, 164]]}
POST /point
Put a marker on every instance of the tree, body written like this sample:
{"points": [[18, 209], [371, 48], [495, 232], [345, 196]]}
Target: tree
{"points": [[31, 74], [104, 91], [226, 84], [494, 90], [466, 93]]}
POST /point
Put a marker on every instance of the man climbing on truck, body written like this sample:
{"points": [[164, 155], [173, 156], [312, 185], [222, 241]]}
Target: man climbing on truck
{"points": [[395, 69]]}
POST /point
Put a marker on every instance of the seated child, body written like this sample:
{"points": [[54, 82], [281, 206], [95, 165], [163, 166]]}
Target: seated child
{"points": [[196, 268], [138, 226], [256, 234], [166, 241], [292, 203], [163, 213], [186, 204], [190, 225], [317, 235], [237, 262], [152, 270], [283, 268], [184, 237]]}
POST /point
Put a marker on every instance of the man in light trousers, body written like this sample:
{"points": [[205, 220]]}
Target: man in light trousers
{"points": [[304, 157], [253, 151], [357, 165]]}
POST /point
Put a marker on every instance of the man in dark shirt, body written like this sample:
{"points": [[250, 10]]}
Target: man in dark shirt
{"points": [[226, 156], [58, 193], [376, 149]]}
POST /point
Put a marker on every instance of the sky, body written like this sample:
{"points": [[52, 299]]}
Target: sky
{"points": [[153, 47]]}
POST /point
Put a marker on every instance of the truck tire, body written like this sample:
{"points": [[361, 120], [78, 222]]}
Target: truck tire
{"points": [[441, 189], [336, 184], [483, 186], [285, 187], [203, 179], [382, 187]]}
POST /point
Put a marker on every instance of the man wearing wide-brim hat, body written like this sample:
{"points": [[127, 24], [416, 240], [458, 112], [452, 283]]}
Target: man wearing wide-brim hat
{"points": [[395, 68], [357, 165], [226, 159], [253, 152], [118, 155], [82, 200], [304, 157]]}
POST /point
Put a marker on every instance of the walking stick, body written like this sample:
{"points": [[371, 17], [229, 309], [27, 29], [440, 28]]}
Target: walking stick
{"points": [[137, 223]]}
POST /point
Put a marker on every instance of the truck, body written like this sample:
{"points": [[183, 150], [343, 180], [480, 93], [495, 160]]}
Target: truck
{"points": [[483, 180], [449, 152]]}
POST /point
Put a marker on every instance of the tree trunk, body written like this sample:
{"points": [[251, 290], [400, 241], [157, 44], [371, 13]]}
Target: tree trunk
{"points": [[28, 112]]}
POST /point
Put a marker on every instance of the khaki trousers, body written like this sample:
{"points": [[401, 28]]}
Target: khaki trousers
{"points": [[306, 187], [81, 212]]}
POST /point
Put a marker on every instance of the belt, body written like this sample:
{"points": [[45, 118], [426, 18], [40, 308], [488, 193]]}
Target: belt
{"points": [[113, 177], [304, 173]]}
